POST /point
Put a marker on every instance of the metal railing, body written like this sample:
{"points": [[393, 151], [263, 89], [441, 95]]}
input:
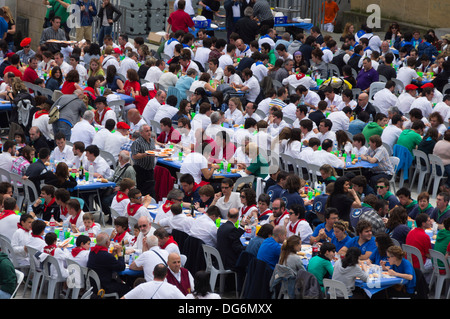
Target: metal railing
{"points": [[311, 9]]}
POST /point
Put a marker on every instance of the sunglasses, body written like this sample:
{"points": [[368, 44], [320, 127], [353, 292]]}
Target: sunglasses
{"points": [[380, 187]]}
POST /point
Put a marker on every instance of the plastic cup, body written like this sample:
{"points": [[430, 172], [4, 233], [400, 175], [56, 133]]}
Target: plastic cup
{"points": [[57, 232]]}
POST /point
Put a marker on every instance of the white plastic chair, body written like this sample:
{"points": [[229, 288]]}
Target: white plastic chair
{"points": [[109, 158], [118, 107], [131, 222], [436, 174], [50, 266], [395, 161], [437, 278], [332, 286], [209, 253], [114, 214], [374, 88], [77, 278], [413, 251], [20, 275], [87, 294], [4, 175], [91, 274], [421, 171], [243, 180], [35, 273]]}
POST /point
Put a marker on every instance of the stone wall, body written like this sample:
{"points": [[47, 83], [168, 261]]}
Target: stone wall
{"points": [[34, 11]]}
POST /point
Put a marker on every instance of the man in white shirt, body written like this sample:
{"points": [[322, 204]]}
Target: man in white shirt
{"points": [[117, 139], [178, 220], [63, 65], [216, 126], [101, 167], [214, 70], [230, 75], [84, 131], [310, 98], [276, 123], [392, 131], [227, 58], [290, 110], [250, 85], [406, 98], [332, 99], [135, 119], [75, 64], [196, 164], [325, 156], [250, 109], [341, 119], [259, 68], [443, 107], [306, 127], [325, 131], [202, 53], [129, 62], [328, 51], [170, 44], [202, 119], [385, 98], [204, 227], [79, 155], [154, 73], [242, 49], [424, 102], [62, 151], [102, 135], [150, 258], [6, 157], [408, 73], [153, 106], [268, 38], [167, 110], [110, 58], [103, 112]]}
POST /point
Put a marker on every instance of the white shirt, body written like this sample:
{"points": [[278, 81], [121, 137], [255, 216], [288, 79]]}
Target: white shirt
{"points": [[340, 121], [168, 79], [155, 290], [293, 149], [110, 60], [217, 75], [180, 222], [307, 155], [390, 135], [204, 228], [100, 137], [406, 75], [6, 161], [110, 114], [259, 71], [65, 68], [234, 78], [150, 110], [165, 111], [193, 164], [114, 142], [42, 123], [202, 55], [292, 80], [236, 116], [66, 155], [268, 40], [125, 65], [337, 100], [19, 239], [120, 207], [81, 258], [404, 102], [443, 109], [312, 98], [153, 74], [253, 89], [200, 121], [170, 47], [328, 135], [149, 259], [327, 55], [384, 99], [225, 60], [264, 105], [301, 228], [101, 167], [275, 129], [137, 126], [358, 152], [323, 157], [78, 160], [289, 111], [141, 212], [82, 72], [424, 105]]}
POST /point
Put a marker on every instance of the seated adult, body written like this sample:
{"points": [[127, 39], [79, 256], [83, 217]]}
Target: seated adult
{"points": [[47, 208], [377, 153], [424, 205], [320, 266], [343, 198], [228, 239], [258, 166], [442, 150], [121, 199], [442, 209], [324, 232], [137, 207], [226, 199], [404, 197], [9, 219], [150, 258], [400, 267], [168, 133], [204, 227], [291, 193], [197, 165], [396, 225], [384, 193], [106, 265], [190, 189], [364, 240], [270, 249]]}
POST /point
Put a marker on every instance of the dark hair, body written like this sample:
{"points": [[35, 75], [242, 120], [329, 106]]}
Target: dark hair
{"points": [[351, 257], [93, 149]]}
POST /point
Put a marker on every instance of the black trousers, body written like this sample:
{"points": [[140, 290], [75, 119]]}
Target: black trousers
{"points": [[145, 181]]}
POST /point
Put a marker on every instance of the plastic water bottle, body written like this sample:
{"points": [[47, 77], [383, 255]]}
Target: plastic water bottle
{"points": [[52, 164], [52, 224], [91, 172]]}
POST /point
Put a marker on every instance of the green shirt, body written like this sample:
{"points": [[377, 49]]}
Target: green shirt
{"points": [[59, 9], [321, 268], [409, 139], [272, 57], [259, 167], [372, 129]]}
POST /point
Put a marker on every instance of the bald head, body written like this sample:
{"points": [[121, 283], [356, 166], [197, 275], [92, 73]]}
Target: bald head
{"points": [[174, 262], [134, 115], [279, 233], [103, 239]]}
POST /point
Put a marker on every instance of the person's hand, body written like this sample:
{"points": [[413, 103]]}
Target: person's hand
{"points": [[91, 8], [82, 7], [110, 21]]}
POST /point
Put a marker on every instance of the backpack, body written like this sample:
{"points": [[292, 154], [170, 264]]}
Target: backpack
{"points": [[338, 84]]}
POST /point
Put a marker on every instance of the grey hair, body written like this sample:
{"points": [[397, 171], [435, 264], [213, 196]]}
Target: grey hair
{"points": [[215, 117], [88, 115], [248, 12], [175, 194], [152, 241], [125, 155]]}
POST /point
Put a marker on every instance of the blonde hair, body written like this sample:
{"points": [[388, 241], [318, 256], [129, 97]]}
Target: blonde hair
{"points": [[238, 103], [288, 248], [346, 29], [8, 14]]}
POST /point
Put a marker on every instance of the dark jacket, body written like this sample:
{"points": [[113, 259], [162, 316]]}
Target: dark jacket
{"points": [[110, 9], [229, 244], [369, 109], [48, 211], [247, 29]]}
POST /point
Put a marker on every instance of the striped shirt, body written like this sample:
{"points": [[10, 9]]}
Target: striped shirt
{"points": [[262, 11], [140, 145]]}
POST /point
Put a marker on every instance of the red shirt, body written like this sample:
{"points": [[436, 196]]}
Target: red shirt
{"points": [[29, 75], [180, 20], [174, 136], [13, 69], [419, 239], [133, 84], [68, 87]]}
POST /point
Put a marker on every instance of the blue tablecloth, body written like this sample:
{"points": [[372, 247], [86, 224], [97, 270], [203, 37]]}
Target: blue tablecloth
{"points": [[5, 106], [93, 186], [373, 287], [362, 164]]}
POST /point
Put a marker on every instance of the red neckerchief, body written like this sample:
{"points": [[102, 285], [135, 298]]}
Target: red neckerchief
{"points": [[63, 211], [119, 237], [98, 248], [92, 227], [294, 229], [267, 211], [19, 226], [185, 69], [50, 249], [49, 204], [167, 205], [36, 236], [133, 208], [76, 251], [277, 220], [99, 121], [300, 76], [168, 242], [38, 114], [73, 220], [133, 240], [246, 209], [6, 213], [121, 196]]}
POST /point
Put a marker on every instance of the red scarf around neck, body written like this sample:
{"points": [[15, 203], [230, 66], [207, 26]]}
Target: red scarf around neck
{"points": [[119, 237], [76, 251], [300, 76], [246, 209], [293, 228], [121, 196], [266, 212], [133, 208], [6, 213], [168, 242], [98, 248], [49, 204], [73, 220], [97, 119], [38, 114], [277, 220], [19, 226], [36, 236], [50, 249]]}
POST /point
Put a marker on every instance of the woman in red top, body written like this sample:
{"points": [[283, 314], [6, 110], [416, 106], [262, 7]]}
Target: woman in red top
{"points": [[71, 82], [92, 91], [131, 84]]}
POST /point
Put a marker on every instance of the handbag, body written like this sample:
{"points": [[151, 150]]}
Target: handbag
{"points": [[53, 114], [51, 15]]}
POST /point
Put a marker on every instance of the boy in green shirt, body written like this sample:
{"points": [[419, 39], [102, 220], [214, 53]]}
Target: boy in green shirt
{"points": [[320, 266], [412, 138], [375, 127]]}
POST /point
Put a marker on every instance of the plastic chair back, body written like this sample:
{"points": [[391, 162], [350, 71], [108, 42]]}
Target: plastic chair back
{"points": [[413, 251], [19, 275], [333, 286]]}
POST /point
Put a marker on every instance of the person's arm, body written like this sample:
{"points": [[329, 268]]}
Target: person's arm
{"points": [[208, 172], [357, 201]]}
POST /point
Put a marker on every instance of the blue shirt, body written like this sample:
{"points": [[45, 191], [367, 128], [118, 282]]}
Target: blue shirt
{"points": [[3, 27], [368, 246], [375, 257], [291, 198], [339, 244], [274, 192], [330, 233], [269, 252], [406, 268]]}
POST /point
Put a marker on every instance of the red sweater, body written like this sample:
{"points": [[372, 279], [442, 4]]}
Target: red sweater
{"points": [[180, 20]]}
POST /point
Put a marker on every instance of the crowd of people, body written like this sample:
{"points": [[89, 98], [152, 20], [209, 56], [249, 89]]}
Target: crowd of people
{"points": [[244, 99]]}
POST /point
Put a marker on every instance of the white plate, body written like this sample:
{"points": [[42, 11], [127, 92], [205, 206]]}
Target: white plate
{"points": [[214, 26], [152, 206], [161, 33]]}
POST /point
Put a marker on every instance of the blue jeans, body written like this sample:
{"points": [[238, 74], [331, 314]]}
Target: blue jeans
{"points": [[4, 295], [65, 128], [102, 32]]}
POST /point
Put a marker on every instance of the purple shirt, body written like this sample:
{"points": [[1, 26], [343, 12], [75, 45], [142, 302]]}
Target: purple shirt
{"points": [[364, 79]]}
